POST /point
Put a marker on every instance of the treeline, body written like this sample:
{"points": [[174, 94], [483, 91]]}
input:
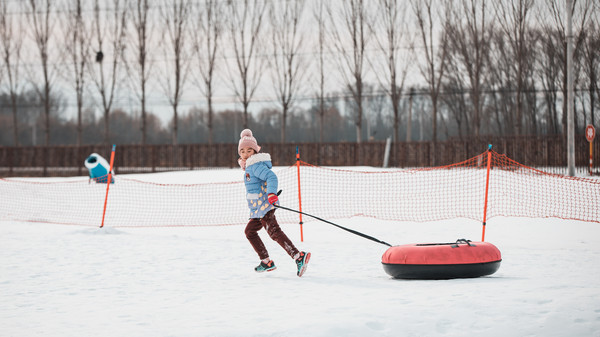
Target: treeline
{"points": [[125, 127], [349, 70]]}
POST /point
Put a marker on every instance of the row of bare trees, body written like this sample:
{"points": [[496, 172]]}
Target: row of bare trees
{"points": [[486, 67], [513, 71], [128, 32]]}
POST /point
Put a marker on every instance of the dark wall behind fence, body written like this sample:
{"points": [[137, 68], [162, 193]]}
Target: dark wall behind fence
{"points": [[547, 153]]}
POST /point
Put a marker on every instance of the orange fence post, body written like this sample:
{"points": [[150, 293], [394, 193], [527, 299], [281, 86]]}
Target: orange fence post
{"points": [[112, 160], [487, 186], [299, 194]]}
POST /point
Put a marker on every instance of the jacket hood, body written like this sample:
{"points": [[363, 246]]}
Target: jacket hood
{"points": [[258, 158]]}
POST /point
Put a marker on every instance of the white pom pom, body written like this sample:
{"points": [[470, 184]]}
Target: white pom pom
{"points": [[246, 133]]}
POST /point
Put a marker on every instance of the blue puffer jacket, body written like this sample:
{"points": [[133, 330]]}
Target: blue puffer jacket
{"points": [[260, 181]]}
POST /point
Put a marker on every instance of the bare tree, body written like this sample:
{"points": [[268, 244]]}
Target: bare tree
{"points": [[557, 27], [549, 65], [530, 106], [245, 24], [596, 21], [11, 35], [206, 45], [140, 68], [319, 16], [286, 65], [592, 64], [109, 29], [41, 19], [175, 15], [469, 44], [513, 17], [454, 98], [435, 53], [411, 96], [77, 48], [394, 43], [355, 20]]}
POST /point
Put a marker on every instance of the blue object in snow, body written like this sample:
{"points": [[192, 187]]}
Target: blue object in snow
{"points": [[98, 168]]}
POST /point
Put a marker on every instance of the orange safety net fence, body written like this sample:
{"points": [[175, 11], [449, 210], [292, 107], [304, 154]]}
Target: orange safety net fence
{"points": [[446, 192], [518, 190], [428, 194]]}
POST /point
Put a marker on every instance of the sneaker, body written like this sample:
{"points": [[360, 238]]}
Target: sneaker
{"points": [[262, 267], [302, 262]]}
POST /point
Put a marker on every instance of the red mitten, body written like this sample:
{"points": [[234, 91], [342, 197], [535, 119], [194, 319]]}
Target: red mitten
{"points": [[272, 198]]}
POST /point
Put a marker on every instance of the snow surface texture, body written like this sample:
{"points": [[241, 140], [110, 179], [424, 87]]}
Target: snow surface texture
{"points": [[59, 280]]}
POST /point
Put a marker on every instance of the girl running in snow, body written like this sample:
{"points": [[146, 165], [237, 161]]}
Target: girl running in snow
{"points": [[261, 194]]}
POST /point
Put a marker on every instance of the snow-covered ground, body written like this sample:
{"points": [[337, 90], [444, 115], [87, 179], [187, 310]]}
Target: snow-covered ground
{"points": [[58, 280]]}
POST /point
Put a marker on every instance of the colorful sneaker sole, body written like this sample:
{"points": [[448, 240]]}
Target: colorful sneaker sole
{"points": [[304, 265], [266, 269]]}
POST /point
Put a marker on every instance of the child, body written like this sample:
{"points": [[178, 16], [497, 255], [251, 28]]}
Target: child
{"points": [[261, 189]]}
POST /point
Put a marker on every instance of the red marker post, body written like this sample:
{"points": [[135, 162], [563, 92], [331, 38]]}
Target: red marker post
{"points": [[109, 176], [590, 134], [299, 194]]}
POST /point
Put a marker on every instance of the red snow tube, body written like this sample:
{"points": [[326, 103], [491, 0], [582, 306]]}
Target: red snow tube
{"points": [[460, 259]]}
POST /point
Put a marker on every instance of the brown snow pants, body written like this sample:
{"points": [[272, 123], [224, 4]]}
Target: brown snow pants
{"points": [[269, 223]]}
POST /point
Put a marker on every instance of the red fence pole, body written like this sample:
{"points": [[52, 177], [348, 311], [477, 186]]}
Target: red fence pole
{"points": [[112, 160], [487, 185], [299, 194]]}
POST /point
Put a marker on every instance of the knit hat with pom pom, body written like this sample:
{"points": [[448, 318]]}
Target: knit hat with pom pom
{"points": [[246, 140]]}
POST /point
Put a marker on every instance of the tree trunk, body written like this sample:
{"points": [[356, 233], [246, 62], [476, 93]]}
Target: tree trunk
{"points": [[13, 101]]}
